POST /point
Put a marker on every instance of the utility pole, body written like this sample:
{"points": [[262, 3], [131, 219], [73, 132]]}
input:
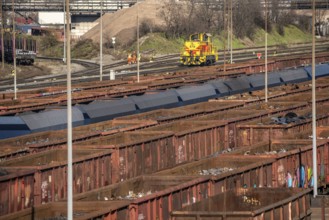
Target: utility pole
{"points": [[101, 45], [2, 35], [266, 52], [228, 27], [224, 36], [315, 174], [138, 56], [231, 31], [64, 30], [14, 51], [69, 118]]}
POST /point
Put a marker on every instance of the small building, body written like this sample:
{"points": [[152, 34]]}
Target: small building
{"points": [[28, 28]]}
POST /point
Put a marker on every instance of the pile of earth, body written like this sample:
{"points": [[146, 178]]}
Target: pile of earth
{"points": [[122, 24]]}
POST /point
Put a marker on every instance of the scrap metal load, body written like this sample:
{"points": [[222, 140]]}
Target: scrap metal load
{"points": [[199, 50], [25, 49]]}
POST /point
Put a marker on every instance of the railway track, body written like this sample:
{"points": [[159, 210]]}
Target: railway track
{"points": [[168, 63], [183, 138], [201, 145]]}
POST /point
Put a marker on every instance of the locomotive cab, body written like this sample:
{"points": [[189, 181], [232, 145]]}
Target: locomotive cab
{"points": [[199, 50]]}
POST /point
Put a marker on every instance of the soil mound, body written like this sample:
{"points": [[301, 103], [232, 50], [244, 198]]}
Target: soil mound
{"points": [[123, 23]]}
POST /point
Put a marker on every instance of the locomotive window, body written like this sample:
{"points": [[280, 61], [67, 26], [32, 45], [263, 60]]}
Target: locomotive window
{"points": [[205, 37], [194, 37]]}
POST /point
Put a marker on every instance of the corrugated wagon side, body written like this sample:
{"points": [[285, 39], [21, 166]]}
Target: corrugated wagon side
{"points": [[91, 169], [16, 189]]}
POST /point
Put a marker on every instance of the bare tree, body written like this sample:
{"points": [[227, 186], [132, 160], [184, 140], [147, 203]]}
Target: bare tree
{"points": [[218, 21], [206, 15], [189, 20], [320, 15], [320, 22], [248, 17], [274, 10], [173, 16], [189, 16]]}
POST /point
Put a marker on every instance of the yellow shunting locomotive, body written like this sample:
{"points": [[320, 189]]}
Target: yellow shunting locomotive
{"points": [[199, 50]]}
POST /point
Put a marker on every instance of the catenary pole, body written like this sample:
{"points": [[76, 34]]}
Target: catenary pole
{"points": [[315, 189], [64, 55], [101, 45], [69, 118], [266, 77], [14, 53], [2, 41], [224, 68], [231, 47], [138, 56]]}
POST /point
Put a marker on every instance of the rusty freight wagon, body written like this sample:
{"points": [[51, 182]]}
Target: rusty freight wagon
{"points": [[81, 211], [292, 156], [185, 112], [32, 143], [228, 172], [144, 197], [193, 140], [16, 189], [91, 169], [250, 204], [232, 118], [136, 153], [288, 125], [151, 197]]}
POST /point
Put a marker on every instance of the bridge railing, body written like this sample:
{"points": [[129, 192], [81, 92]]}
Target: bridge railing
{"points": [[58, 5]]}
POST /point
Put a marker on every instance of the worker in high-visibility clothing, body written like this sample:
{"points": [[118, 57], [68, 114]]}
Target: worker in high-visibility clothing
{"points": [[129, 58]]}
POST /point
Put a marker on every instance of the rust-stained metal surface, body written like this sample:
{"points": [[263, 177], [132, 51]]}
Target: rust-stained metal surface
{"points": [[115, 126], [194, 140], [35, 139], [133, 188], [322, 132], [213, 166], [211, 107], [321, 96], [160, 116], [16, 189], [152, 197], [232, 118], [147, 149], [91, 169], [290, 156], [129, 200], [20, 106], [26, 144], [277, 107], [267, 170], [10, 151], [259, 203], [111, 156], [228, 172], [38, 99], [81, 211], [194, 110], [136, 153], [280, 125]]}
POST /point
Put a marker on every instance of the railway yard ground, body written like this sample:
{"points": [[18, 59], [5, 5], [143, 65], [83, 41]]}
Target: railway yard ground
{"points": [[164, 126], [207, 146], [39, 68]]}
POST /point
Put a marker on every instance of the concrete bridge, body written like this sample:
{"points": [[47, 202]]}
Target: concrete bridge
{"points": [[76, 6], [94, 6]]}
